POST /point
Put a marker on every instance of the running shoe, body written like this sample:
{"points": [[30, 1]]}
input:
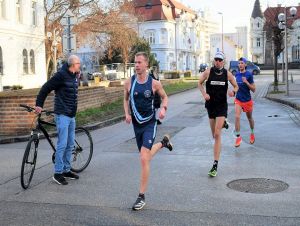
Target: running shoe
{"points": [[139, 203], [252, 138], [238, 141], [166, 143], [213, 172]]}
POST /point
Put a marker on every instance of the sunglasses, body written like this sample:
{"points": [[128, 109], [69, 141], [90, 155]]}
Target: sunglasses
{"points": [[218, 59]]}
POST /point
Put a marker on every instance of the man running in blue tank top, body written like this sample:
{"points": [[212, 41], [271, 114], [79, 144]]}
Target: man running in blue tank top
{"points": [[139, 108]]}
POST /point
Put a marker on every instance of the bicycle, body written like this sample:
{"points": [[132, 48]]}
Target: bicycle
{"points": [[81, 154]]}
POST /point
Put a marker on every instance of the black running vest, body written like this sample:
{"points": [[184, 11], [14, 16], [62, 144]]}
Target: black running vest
{"points": [[216, 87]]}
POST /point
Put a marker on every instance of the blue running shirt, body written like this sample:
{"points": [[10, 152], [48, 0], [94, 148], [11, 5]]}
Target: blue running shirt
{"points": [[243, 93]]}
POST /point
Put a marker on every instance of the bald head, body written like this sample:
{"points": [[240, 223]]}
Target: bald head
{"points": [[73, 59], [74, 63]]}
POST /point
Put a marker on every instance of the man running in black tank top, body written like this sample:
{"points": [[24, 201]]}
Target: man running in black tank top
{"points": [[215, 97], [139, 93]]}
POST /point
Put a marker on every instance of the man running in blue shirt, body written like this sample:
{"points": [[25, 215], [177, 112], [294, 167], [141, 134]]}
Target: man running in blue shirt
{"points": [[243, 101]]}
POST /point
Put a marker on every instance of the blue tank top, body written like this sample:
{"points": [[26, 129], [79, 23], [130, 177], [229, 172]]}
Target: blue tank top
{"points": [[141, 100]]}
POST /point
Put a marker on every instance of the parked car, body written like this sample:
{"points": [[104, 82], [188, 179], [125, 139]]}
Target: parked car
{"points": [[91, 76], [234, 67], [203, 67]]}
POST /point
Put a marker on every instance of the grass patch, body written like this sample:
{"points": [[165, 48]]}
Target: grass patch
{"points": [[279, 83], [179, 87], [105, 112], [192, 78], [115, 109], [276, 92]]}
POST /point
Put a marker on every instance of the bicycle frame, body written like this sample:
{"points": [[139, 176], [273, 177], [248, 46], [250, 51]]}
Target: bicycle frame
{"points": [[40, 127]]}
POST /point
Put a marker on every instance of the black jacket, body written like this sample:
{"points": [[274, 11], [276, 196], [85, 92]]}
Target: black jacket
{"points": [[65, 85]]}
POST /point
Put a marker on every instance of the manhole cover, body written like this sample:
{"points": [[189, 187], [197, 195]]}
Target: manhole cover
{"points": [[258, 185]]}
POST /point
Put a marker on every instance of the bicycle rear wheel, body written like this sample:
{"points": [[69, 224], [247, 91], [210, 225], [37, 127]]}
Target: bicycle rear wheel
{"points": [[83, 150], [29, 162]]}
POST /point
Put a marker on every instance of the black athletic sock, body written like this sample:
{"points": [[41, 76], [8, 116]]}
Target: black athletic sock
{"points": [[141, 195], [215, 165]]}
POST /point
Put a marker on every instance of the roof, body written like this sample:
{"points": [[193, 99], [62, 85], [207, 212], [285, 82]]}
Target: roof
{"points": [[151, 10], [256, 10], [271, 15]]}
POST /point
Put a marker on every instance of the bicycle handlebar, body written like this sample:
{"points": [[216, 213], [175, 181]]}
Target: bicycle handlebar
{"points": [[31, 109]]}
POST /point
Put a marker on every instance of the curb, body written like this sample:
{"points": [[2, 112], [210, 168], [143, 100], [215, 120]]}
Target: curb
{"points": [[285, 102], [90, 127], [282, 101]]}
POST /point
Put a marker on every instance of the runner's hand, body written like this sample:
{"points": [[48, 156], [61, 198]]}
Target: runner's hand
{"points": [[128, 118], [244, 79], [38, 110], [162, 113], [231, 93], [206, 97]]}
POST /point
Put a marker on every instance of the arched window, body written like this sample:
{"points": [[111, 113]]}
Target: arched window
{"points": [[1, 62], [25, 61], [32, 62]]}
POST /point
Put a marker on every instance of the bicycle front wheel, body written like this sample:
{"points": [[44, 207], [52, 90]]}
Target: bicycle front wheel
{"points": [[29, 162], [83, 150]]}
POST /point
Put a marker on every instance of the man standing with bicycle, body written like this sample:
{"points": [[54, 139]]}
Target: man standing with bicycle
{"points": [[65, 84]]}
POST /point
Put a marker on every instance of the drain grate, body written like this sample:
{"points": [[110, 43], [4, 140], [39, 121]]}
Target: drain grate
{"points": [[258, 185]]}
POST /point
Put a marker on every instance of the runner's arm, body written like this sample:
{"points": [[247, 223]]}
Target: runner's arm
{"points": [[251, 86], [126, 98], [158, 88], [203, 77], [232, 81]]}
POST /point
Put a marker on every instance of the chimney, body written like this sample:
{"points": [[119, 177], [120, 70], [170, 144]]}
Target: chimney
{"points": [[278, 5]]}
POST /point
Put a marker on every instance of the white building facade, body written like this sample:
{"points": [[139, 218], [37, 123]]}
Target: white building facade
{"points": [[176, 36], [235, 44], [261, 48], [22, 43]]}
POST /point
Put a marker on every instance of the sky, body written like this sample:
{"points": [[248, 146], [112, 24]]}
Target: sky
{"points": [[235, 12]]}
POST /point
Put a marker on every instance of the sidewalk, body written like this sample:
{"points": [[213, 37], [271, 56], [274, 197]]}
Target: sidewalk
{"points": [[292, 100]]}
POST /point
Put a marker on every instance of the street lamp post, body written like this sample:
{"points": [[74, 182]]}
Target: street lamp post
{"points": [[283, 18], [222, 32], [55, 40]]}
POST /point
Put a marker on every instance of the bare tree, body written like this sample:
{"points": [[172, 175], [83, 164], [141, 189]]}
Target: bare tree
{"points": [[111, 28], [54, 12], [275, 37]]}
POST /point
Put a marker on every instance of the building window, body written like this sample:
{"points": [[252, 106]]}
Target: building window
{"points": [[25, 61], [1, 62], [150, 37], [33, 8], [148, 5], [163, 36], [171, 37], [18, 11], [32, 62], [258, 24], [2, 9], [258, 42]]}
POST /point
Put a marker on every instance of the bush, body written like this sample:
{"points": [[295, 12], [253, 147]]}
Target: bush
{"points": [[187, 74], [171, 74], [16, 87]]}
